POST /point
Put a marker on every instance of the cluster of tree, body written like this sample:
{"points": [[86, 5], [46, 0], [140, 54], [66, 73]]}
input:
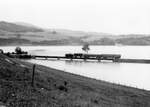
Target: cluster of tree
{"points": [[86, 47], [18, 50]]}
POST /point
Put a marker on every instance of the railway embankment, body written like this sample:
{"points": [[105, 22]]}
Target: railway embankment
{"points": [[146, 61], [84, 57]]}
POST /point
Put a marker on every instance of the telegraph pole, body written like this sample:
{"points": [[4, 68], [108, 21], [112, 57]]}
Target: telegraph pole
{"points": [[33, 73]]}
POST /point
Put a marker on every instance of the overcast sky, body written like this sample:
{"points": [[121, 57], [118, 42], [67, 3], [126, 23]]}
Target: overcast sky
{"points": [[108, 16]]}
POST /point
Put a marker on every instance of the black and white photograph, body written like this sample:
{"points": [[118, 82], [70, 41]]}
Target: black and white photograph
{"points": [[74, 53]]}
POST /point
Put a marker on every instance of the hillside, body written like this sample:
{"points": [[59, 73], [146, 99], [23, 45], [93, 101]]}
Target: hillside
{"points": [[20, 33], [11, 27], [55, 88], [26, 24]]}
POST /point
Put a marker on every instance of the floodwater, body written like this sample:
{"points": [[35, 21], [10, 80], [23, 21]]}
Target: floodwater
{"points": [[130, 74]]}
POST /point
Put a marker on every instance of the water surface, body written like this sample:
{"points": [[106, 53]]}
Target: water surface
{"points": [[132, 74]]}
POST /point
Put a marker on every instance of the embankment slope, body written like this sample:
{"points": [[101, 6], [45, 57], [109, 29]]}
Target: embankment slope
{"points": [[55, 88]]}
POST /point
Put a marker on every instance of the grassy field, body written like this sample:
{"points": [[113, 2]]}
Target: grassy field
{"points": [[55, 88]]}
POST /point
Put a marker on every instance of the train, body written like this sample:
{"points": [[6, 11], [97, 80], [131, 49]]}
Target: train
{"points": [[113, 57]]}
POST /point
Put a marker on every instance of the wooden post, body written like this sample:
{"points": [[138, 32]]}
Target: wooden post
{"points": [[33, 73]]}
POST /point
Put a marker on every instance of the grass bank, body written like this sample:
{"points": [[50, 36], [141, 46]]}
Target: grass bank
{"points": [[55, 88]]}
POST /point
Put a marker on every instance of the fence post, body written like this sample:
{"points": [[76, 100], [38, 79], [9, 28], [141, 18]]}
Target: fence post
{"points": [[33, 73]]}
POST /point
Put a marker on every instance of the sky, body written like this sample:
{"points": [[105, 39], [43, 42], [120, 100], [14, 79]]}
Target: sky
{"points": [[107, 16]]}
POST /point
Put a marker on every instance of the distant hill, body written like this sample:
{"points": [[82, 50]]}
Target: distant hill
{"points": [[20, 33], [11, 27], [26, 24]]}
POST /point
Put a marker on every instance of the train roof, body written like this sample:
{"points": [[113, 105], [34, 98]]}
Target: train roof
{"points": [[111, 54], [97, 54]]}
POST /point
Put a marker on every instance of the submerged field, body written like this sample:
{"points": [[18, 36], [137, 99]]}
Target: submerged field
{"points": [[55, 88]]}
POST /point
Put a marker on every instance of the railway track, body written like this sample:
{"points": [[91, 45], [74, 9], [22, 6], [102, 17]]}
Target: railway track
{"points": [[118, 60]]}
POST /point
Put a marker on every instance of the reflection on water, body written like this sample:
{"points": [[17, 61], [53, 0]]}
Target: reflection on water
{"points": [[137, 75]]}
